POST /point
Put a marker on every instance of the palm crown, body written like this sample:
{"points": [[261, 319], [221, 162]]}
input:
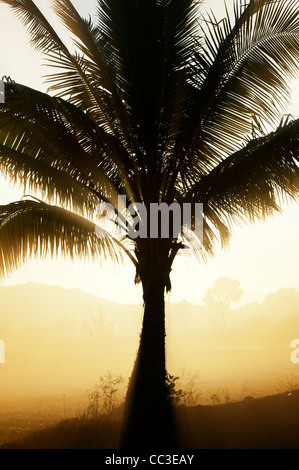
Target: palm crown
{"points": [[158, 103]]}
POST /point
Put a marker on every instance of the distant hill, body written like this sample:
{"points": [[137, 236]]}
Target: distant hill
{"points": [[38, 305]]}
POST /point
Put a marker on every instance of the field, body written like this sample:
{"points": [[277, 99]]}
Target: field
{"points": [[253, 423]]}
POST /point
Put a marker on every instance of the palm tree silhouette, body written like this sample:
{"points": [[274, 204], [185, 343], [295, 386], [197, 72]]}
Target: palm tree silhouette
{"points": [[158, 102]]}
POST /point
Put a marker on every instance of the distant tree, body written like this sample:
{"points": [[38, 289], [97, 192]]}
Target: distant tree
{"points": [[97, 327], [223, 292]]}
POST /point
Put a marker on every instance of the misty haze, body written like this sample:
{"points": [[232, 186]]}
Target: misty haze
{"points": [[59, 342]]}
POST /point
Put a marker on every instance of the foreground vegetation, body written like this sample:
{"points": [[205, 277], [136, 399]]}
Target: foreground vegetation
{"points": [[205, 418], [265, 423]]}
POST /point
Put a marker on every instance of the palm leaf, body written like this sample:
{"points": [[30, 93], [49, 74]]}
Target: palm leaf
{"points": [[60, 135], [246, 72], [76, 82], [146, 46], [34, 229], [251, 183]]}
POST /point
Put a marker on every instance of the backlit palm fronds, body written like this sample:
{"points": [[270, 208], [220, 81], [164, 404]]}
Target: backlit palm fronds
{"points": [[35, 229], [242, 69], [159, 103], [60, 150], [253, 181]]}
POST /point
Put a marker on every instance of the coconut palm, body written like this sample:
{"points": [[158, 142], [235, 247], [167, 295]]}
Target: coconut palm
{"points": [[157, 101]]}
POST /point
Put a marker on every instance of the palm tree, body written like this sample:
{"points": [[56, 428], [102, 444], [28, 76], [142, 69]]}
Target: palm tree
{"points": [[158, 102]]}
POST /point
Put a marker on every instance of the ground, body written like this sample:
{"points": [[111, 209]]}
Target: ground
{"points": [[262, 423]]}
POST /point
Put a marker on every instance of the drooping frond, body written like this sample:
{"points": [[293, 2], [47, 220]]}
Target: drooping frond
{"points": [[252, 182], [35, 229], [62, 149]]}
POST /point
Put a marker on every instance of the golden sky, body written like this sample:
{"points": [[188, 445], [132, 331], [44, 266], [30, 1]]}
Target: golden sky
{"points": [[263, 257]]}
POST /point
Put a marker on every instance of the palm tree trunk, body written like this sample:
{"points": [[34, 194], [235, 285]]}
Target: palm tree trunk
{"points": [[149, 421]]}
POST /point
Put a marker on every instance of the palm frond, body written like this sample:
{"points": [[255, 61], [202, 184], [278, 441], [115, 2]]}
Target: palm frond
{"points": [[141, 68], [61, 136], [243, 71], [85, 36], [146, 46], [34, 229], [251, 183], [74, 81]]}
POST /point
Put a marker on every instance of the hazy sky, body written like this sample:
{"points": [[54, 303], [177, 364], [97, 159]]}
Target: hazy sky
{"points": [[263, 257]]}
